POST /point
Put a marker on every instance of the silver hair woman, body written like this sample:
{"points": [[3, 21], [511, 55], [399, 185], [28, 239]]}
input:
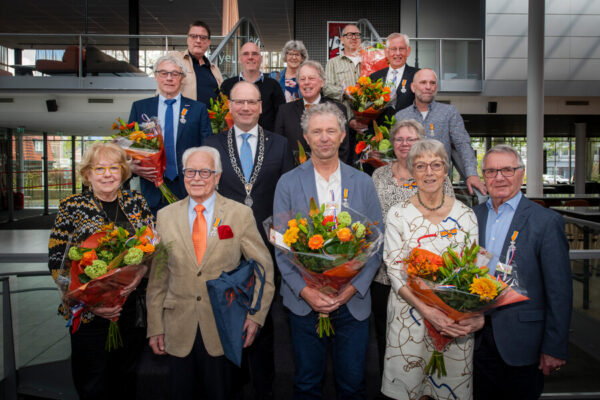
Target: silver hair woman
{"points": [[430, 220], [395, 183], [294, 53]]}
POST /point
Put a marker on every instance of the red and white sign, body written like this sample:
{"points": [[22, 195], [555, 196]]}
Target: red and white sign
{"points": [[334, 36]]}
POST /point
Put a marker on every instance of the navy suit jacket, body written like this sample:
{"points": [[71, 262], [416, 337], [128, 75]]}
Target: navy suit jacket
{"points": [[293, 193], [277, 161], [191, 134], [540, 325], [403, 100], [287, 124]]}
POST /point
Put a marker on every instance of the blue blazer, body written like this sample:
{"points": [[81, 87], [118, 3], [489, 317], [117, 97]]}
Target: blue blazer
{"points": [[190, 134], [540, 325], [293, 192]]}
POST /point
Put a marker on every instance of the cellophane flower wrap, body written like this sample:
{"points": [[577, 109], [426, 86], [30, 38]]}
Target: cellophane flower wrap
{"points": [[373, 58], [219, 115], [368, 99], [328, 250], [456, 282], [95, 271], [144, 142], [376, 149]]}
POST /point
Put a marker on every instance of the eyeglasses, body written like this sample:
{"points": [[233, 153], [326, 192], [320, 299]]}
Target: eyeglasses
{"points": [[163, 74], [435, 166], [506, 172], [101, 170], [296, 55], [204, 173], [240, 102], [195, 37], [352, 35], [407, 141]]}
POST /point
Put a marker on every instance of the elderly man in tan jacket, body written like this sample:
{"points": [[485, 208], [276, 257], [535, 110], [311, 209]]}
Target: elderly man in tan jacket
{"points": [[180, 317], [202, 78]]}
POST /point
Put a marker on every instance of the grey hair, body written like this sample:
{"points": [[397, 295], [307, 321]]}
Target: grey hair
{"points": [[171, 59], [295, 45], [427, 146], [506, 149], [328, 108], [410, 124], [313, 64], [214, 153], [397, 35]]}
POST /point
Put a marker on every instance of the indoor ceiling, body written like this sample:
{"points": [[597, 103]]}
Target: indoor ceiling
{"points": [[273, 18]]}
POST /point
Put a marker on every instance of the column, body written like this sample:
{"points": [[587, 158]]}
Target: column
{"points": [[134, 29], [535, 98], [580, 158]]}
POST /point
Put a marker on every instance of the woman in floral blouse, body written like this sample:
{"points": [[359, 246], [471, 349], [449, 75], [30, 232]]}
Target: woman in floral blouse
{"points": [[394, 184]]}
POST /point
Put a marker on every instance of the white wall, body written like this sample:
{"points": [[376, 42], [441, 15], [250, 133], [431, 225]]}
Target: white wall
{"points": [[572, 40]]}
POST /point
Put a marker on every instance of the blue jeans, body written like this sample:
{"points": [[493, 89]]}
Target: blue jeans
{"points": [[349, 345]]}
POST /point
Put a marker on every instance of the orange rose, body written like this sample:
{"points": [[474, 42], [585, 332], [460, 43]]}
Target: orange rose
{"points": [[316, 242], [88, 257], [344, 234]]}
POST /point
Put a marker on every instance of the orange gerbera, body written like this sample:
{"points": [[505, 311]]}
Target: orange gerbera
{"points": [[88, 257], [344, 234], [146, 248], [316, 242], [360, 146]]}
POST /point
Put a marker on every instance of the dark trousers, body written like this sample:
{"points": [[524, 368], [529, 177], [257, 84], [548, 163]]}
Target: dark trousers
{"points": [[259, 361], [349, 345], [199, 375], [493, 379], [99, 374], [379, 299]]}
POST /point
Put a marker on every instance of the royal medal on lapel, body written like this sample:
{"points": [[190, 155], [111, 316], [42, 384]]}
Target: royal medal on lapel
{"points": [[183, 113], [403, 90], [345, 200], [215, 225], [431, 132]]}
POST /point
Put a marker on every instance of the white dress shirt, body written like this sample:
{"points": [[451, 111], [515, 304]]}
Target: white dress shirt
{"points": [[252, 140], [390, 76], [325, 188], [314, 103]]}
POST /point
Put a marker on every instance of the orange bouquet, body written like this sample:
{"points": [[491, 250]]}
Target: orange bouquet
{"points": [[458, 284], [368, 99], [219, 115], [145, 143]]}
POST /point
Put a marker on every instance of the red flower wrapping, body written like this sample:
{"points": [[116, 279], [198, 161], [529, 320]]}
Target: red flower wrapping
{"points": [[225, 232]]}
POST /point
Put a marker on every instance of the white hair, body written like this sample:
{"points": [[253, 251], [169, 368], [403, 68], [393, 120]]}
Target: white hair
{"points": [[170, 59], [397, 35], [214, 153]]}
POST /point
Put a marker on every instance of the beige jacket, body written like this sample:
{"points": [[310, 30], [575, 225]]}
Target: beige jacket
{"points": [[188, 86], [177, 297]]}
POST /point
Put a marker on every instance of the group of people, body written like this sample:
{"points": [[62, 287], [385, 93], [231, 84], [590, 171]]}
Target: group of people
{"points": [[240, 177]]}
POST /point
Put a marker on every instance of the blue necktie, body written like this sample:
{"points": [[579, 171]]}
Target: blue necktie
{"points": [[246, 157], [169, 138], [394, 84]]}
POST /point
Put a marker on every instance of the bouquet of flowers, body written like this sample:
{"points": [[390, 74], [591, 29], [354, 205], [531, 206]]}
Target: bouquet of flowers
{"points": [[368, 99], [95, 272], [145, 143], [457, 283], [219, 115], [372, 58], [328, 250], [376, 149]]}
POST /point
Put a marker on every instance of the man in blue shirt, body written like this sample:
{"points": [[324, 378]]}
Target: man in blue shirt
{"points": [[442, 122], [521, 342]]}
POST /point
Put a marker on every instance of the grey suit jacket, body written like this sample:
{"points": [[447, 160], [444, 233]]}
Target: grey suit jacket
{"points": [[540, 325], [293, 192]]}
